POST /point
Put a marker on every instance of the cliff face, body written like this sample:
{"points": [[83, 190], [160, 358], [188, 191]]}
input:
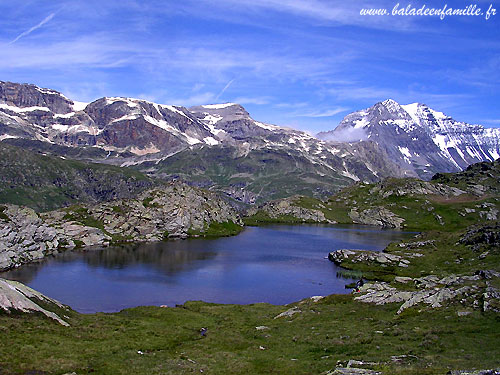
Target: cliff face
{"points": [[174, 211]]}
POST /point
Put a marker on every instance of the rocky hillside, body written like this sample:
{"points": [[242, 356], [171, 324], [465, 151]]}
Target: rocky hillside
{"points": [[419, 139], [446, 203], [262, 172], [174, 211], [459, 268], [45, 182]]}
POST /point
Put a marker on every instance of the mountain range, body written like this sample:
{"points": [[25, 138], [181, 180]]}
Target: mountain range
{"points": [[221, 147]]}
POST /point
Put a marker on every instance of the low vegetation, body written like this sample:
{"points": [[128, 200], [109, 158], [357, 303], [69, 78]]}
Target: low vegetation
{"points": [[410, 200], [215, 229]]}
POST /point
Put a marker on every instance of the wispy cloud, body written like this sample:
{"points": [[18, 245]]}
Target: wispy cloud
{"points": [[261, 100], [36, 27], [256, 12], [90, 51], [224, 89], [326, 113]]}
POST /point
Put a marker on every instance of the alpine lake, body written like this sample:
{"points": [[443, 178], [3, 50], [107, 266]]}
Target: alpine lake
{"points": [[277, 264]]}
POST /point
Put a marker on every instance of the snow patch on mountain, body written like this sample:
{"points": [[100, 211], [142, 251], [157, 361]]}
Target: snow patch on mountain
{"points": [[218, 106], [266, 126], [210, 141], [212, 119], [23, 109], [405, 151], [79, 106], [176, 110]]}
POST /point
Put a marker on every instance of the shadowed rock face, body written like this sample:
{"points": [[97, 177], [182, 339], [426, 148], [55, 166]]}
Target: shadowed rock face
{"points": [[15, 296], [45, 182], [32, 96]]}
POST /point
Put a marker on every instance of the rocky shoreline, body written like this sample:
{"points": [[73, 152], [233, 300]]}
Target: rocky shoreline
{"points": [[174, 211], [476, 289]]}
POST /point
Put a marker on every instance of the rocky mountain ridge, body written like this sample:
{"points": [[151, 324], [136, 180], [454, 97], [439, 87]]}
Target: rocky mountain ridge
{"points": [[221, 147], [151, 137]]}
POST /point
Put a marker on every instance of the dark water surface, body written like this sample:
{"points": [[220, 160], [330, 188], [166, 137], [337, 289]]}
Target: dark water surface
{"points": [[277, 264]]}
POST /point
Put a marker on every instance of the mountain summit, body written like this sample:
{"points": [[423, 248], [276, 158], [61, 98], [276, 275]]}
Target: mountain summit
{"points": [[418, 138]]}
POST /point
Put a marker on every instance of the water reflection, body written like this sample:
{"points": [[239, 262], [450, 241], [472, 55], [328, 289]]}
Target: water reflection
{"points": [[275, 264], [166, 258]]}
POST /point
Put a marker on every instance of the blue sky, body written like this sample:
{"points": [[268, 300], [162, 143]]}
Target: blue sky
{"points": [[298, 63]]}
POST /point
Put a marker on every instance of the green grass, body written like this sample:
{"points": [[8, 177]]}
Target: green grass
{"points": [[312, 342], [146, 202], [215, 229], [81, 215], [421, 213]]}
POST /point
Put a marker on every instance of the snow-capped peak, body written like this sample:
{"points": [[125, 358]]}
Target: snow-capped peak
{"points": [[391, 105]]}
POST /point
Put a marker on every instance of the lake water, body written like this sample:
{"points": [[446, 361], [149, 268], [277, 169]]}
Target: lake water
{"points": [[277, 264]]}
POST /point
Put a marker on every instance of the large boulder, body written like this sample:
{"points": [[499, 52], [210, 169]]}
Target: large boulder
{"points": [[15, 296]]}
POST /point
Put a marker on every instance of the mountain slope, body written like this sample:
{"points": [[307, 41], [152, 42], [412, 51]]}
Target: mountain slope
{"points": [[419, 139], [45, 182]]}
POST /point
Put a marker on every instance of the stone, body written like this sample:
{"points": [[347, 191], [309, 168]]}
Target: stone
{"points": [[379, 216], [352, 371], [261, 328], [402, 279], [19, 297], [288, 313]]}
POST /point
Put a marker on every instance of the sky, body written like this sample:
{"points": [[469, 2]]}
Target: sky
{"points": [[304, 64]]}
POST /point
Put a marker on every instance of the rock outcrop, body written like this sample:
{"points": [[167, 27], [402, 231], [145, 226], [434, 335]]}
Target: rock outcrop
{"points": [[288, 207], [472, 291], [174, 211], [340, 257], [25, 237], [379, 216], [15, 296]]}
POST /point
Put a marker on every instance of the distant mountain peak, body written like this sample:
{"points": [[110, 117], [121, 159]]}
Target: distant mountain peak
{"points": [[419, 138]]}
